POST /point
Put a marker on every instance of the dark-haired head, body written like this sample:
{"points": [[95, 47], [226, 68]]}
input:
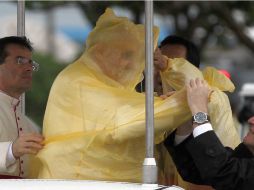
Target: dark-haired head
{"points": [[192, 53], [4, 42]]}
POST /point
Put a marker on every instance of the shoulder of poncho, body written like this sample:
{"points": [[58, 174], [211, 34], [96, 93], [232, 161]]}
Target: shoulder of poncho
{"points": [[216, 79], [76, 75]]}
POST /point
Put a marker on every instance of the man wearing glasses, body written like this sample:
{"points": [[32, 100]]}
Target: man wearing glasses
{"points": [[18, 138]]}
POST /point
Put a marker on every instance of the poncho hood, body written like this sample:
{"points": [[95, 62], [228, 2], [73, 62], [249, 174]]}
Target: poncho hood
{"points": [[115, 50]]}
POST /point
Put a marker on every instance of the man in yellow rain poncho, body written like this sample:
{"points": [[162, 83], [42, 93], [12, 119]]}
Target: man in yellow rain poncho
{"points": [[94, 123]]}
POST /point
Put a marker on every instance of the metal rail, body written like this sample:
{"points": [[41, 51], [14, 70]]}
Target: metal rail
{"points": [[21, 32]]}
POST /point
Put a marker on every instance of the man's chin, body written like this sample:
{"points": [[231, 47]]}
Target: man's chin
{"points": [[26, 87]]}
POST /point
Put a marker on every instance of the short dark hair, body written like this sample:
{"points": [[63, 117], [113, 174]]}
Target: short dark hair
{"points": [[19, 40], [191, 49]]}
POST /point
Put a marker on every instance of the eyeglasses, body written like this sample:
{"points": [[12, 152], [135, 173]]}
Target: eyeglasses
{"points": [[22, 61]]}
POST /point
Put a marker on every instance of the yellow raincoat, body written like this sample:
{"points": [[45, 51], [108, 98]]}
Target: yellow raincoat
{"points": [[94, 122]]}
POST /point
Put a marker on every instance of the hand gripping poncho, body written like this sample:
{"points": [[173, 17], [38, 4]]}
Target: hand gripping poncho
{"points": [[94, 123]]}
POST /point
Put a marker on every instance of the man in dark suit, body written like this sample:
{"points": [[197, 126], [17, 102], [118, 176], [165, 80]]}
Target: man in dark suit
{"points": [[199, 155]]}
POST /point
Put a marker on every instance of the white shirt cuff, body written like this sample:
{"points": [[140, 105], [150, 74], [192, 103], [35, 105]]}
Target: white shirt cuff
{"points": [[202, 129], [180, 138], [10, 159]]}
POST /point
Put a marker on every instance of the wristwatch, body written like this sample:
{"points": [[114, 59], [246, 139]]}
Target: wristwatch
{"points": [[200, 118]]}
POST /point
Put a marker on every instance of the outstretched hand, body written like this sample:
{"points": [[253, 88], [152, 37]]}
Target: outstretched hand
{"points": [[160, 62], [29, 143], [197, 95]]}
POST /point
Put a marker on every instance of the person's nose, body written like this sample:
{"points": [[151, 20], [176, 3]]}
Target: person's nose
{"points": [[28, 68]]}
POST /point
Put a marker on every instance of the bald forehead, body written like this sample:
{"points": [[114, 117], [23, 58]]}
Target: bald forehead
{"points": [[174, 51]]}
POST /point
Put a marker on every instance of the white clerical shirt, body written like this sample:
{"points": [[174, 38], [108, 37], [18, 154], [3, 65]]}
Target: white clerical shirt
{"points": [[12, 124]]}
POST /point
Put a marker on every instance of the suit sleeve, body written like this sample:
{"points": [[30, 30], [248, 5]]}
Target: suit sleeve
{"points": [[218, 166], [183, 160]]}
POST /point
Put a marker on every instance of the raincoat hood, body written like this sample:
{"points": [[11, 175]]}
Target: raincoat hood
{"points": [[115, 50]]}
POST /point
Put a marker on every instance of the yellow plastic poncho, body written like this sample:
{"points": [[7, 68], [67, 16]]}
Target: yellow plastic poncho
{"points": [[94, 122]]}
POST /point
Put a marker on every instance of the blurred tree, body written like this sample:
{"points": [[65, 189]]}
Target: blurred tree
{"points": [[199, 21], [48, 8], [204, 20], [93, 9]]}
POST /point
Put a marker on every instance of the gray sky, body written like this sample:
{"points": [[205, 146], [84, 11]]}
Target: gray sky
{"points": [[63, 16]]}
